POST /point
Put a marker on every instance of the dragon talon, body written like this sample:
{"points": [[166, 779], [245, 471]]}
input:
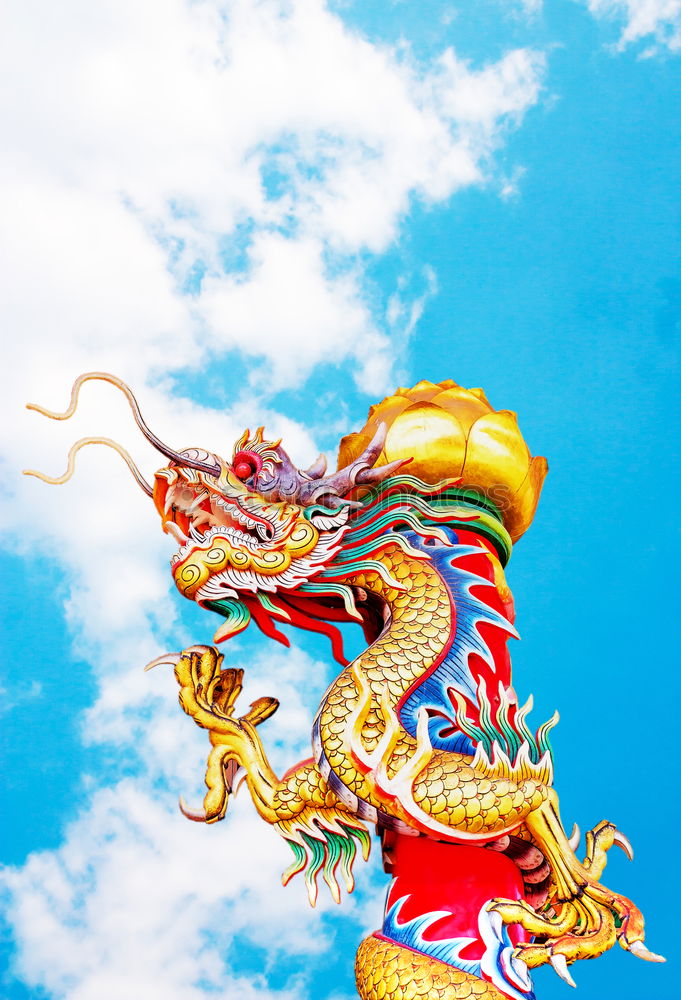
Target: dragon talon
{"points": [[170, 659], [195, 815], [624, 843], [575, 837], [639, 949], [559, 963]]}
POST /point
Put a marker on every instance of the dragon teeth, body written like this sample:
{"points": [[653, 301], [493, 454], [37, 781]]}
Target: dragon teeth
{"points": [[198, 499], [238, 514], [198, 516]]}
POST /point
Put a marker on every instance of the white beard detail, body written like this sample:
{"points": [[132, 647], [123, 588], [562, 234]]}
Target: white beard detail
{"points": [[229, 582]]}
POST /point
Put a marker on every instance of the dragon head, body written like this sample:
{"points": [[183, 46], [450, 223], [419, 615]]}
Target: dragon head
{"points": [[255, 523], [262, 539], [250, 527]]}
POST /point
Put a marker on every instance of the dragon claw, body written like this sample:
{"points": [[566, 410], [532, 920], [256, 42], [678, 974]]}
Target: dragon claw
{"points": [[170, 659], [598, 843], [196, 815], [589, 918], [559, 963], [522, 913], [639, 949], [574, 838], [624, 843]]}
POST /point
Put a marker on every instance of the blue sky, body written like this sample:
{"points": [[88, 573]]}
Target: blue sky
{"points": [[275, 213]]}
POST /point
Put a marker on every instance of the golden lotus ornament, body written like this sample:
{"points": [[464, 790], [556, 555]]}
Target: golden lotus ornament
{"points": [[454, 433]]}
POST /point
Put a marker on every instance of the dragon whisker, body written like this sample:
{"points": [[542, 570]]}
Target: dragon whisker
{"points": [[210, 469], [64, 478]]}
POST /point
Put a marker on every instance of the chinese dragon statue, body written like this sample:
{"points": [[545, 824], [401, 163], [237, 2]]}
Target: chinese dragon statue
{"points": [[422, 735]]}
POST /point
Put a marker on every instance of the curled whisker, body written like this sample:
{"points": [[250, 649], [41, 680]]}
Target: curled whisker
{"points": [[75, 392], [64, 478], [210, 469]]}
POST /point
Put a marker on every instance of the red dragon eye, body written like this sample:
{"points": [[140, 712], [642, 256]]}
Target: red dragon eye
{"points": [[246, 464]]}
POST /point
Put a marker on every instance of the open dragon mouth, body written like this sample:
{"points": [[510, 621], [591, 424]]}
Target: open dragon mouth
{"points": [[232, 542], [195, 518]]}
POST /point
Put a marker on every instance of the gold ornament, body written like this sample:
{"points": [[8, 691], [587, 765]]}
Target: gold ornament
{"points": [[452, 432]]}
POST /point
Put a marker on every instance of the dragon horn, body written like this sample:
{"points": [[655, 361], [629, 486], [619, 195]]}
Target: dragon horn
{"points": [[211, 470], [360, 472], [317, 469]]}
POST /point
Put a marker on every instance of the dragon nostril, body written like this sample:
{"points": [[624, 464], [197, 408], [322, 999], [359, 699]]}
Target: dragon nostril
{"points": [[265, 531]]}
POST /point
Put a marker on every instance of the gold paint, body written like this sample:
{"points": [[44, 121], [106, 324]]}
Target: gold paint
{"points": [[197, 568], [452, 432], [408, 975], [448, 795]]}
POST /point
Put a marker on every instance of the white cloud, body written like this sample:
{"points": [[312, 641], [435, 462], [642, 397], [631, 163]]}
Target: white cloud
{"points": [[142, 135], [654, 21], [181, 181], [324, 323], [657, 22], [141, 903]]}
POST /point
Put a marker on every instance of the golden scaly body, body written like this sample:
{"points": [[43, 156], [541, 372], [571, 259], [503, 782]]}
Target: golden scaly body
{"points": [[386, 971], [466, 802], [448, 789]]}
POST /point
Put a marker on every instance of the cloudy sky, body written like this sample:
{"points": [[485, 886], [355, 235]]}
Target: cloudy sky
{"points": [[275, 212]]}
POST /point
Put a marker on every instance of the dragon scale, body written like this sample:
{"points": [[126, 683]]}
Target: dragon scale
{"points": [[446, 797]]}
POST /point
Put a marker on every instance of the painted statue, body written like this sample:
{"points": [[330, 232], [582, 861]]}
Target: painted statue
{"points": [[422, 736]]}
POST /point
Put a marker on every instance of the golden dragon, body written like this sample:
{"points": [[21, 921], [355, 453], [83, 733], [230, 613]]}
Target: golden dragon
{"points": [[422, 735]]}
